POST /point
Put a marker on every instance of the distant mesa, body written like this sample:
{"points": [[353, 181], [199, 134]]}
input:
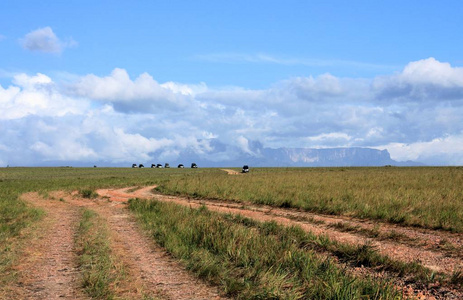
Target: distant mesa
{"points": [[225, 155]]}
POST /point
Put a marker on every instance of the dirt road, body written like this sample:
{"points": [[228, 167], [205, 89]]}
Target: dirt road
{"points": [[48, 268]]}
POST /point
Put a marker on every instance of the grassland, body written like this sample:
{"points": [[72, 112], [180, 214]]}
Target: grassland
{"points": [[250, 259], [425, 197]]}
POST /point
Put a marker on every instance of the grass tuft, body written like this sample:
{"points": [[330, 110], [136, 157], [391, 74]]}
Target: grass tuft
{"points": [[457, 278], [87, 193]]}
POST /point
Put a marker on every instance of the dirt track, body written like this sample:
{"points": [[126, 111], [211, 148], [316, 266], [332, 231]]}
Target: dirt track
{"points": [[48, 269]]}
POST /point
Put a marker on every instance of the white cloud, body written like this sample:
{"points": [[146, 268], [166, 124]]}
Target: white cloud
{"points": [[45, 40], [36, 95], [62, 150], [7, 94], [144, 94], [330, 136], [243, 144], [442, 150], [422, 80], [316, 89], [26, 81], [185, 89], [431, 71]]}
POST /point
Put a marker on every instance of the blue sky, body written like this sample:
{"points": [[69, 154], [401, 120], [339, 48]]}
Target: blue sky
{"points": [[382, 74]]}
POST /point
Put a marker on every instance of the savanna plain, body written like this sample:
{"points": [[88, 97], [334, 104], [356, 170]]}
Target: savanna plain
{"points": [[207, 233]]}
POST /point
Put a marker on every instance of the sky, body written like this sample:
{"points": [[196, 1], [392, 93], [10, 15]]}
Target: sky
{"points": [[125, 81]]}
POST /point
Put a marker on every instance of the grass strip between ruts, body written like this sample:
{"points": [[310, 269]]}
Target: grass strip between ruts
{"points": [[100, 273]]}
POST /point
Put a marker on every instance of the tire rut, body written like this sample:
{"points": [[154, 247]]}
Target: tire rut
{"points": [[48, 268]]}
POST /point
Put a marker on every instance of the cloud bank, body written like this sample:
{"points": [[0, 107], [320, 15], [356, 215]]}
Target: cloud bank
{"points": [[416, 114]]}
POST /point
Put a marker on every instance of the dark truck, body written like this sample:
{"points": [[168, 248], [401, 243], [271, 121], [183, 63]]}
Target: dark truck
{"points": [[245, 169]]}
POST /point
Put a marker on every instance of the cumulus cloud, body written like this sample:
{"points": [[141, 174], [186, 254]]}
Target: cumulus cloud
{"points": [[322, 88], [426, 79], [45, 40], [36, 95], [121, 120], [438, 151], [144, 94]]}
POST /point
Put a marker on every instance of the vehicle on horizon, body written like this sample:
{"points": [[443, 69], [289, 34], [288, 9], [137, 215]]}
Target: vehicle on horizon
{"points": [[180, 166], [134, 166], [245, 169], [159, 166], [194, 166]]}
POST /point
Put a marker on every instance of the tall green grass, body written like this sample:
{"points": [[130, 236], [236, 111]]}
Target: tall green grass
{"points": [[248, 262], [429, 197]]}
